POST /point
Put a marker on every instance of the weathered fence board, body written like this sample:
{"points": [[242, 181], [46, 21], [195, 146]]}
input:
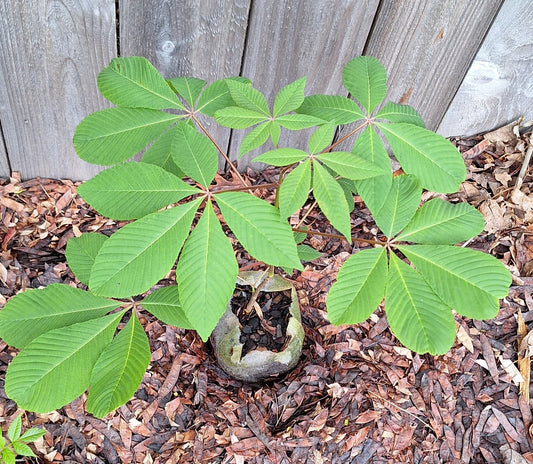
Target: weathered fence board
{"points": [[314, 38], [199, 39], [50, 55], [427, 47], [498, 87]]}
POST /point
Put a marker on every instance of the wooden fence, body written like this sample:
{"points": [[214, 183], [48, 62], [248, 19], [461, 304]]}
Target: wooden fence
{"points": [[51, 52]]}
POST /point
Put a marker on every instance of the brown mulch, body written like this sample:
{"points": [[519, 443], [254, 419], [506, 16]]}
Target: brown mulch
{"points": [[357, 395]]}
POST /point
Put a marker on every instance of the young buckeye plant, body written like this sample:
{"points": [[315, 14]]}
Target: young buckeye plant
{"points": [[68, 333]]}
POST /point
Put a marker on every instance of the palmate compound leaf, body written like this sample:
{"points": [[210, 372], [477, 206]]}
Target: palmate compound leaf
{"points": [[418, 317], [206, 273], [137, 256], [119, 369], [359, 288], [194, 154], [438, 222], [164, 303], [132, 82], [132, 190], [114, 135], [81, 252], [436, 163], [259, 228], [55, 368], [469, 281], [399, 205], [366, 80], [294, 190], [331, 200], [373, 190], [30, 314]]}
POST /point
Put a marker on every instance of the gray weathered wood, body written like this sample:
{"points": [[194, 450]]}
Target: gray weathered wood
{"points": [[498, 87], [314, 38], [50, 55], [427, 47], [182, 38]]}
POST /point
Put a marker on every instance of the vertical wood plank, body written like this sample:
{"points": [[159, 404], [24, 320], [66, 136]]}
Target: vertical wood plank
{"points": [[290, 39], [50, 55], [427, 47], [183, 38], [498, 88]]}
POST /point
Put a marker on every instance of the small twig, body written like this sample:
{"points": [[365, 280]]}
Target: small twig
{"points": [[252, 304], [525, 166], [342, 139], [325, 234]]}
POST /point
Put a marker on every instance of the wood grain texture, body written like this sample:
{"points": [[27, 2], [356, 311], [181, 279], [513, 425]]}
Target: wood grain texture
{"points": [[498, 87], [50, 55], [427, 47], [288, 40], [183, 38]]}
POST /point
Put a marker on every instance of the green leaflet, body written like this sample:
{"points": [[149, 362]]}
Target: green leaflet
{"points": [[245, 96], [438, 222], [281, 157], [298, 121], [373, 190], [160, 153], [399, 206], [294, 189], [419, 318], [65, 353], [217, 96], [119, 369], [137, 256], [289, 97], [239, 118], [469, 281], [436, 163], [322, 137], [194, 154], [15, 429], [307, 253], [189, 88], [333, 108], [330, 197], [133, 82], [366, 80], [394, 112], [206, 273], [359, 288], [132, 190], [259, 228], [30, 314], [350, 165], [164, 304], [255, 138], [113, 135], [81, 252]]}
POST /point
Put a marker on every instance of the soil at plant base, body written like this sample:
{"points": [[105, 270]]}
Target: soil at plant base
{"points": [[356, 396], [266, 333]]}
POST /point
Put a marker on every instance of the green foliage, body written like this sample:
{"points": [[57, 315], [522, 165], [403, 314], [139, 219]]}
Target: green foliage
{"points": [[17, 441], [179, 218]]}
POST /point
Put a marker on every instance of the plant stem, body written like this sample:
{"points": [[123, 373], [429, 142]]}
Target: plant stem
{"points": [[222, 152], [342, 139]]}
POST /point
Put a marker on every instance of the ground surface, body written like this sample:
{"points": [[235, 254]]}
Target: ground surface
{"points": [[357, 396]]}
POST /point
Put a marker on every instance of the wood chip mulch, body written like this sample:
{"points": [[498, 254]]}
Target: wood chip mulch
{"points": [[357, 395]]}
